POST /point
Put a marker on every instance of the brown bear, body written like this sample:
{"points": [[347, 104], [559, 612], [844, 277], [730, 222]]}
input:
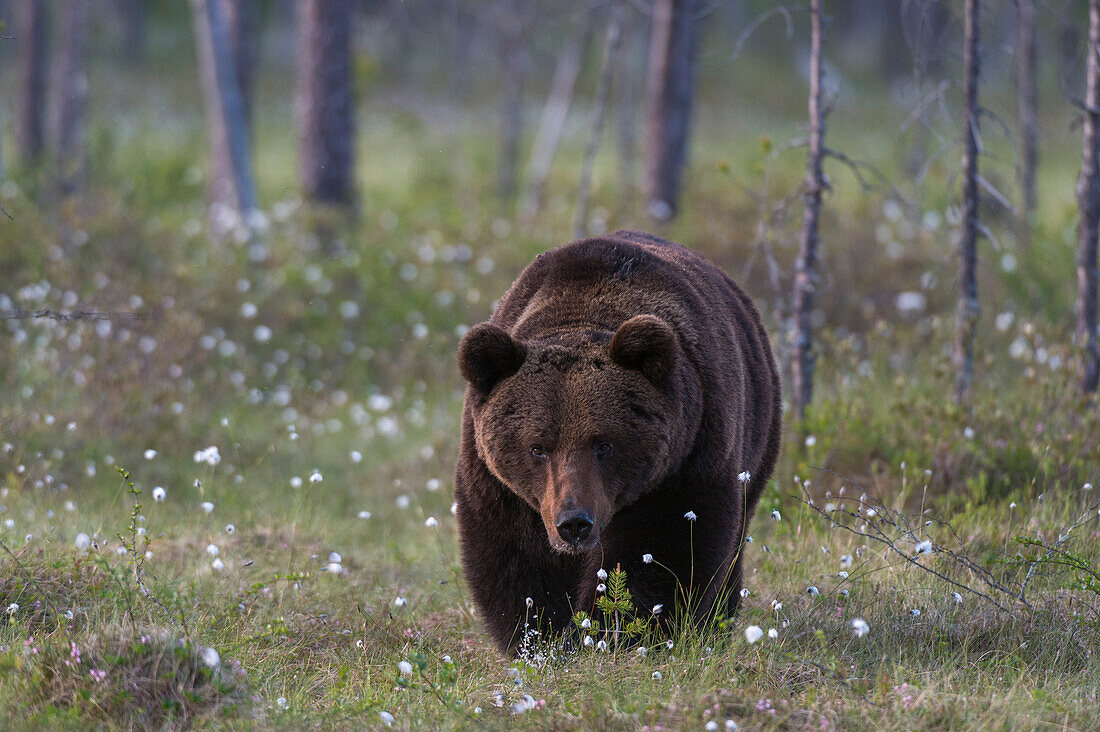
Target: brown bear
{"points": [[622, 401]]}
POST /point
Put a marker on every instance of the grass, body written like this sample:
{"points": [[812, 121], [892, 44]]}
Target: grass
{"points": [[325, 348]]}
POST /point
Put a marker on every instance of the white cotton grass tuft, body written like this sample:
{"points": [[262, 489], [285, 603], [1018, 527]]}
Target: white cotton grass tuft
{"points": [[924, 547], [364, 515], [601, 574], [400, 601], [210, 456], [860, 627], [744, 476], [207, 506], [753, 633], [658, 608], [82, 541], [690, 516], [656, 676], [405, 668], [812, 591], [159, 494], [211, 657], [956, 597], [386, 718], [647, 559], [217, 565], [776, 516], [213, 550], [773, 633]]}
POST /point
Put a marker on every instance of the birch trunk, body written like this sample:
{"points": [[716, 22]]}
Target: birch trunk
{"points": [[31, 37], [132, 17], [240, 23], [554, 114], [1026, 101], [232, 189], [512, 57], [969, 307], [324, 102], [68, 119], [603, 87], [670, 92], [626, 115], [1088, 200], [806, 277]]}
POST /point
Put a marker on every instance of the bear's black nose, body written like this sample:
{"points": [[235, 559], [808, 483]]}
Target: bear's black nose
{"points": [[575, 528]]}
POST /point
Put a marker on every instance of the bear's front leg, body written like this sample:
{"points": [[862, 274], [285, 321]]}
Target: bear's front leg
{"points": [[692, 561], [507, 559]]}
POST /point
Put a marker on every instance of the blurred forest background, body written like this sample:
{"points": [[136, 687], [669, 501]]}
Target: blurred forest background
{"points": [[243, 237]]}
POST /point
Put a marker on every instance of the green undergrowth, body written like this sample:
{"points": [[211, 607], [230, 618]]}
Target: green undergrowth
{"points": [[286, 405]]}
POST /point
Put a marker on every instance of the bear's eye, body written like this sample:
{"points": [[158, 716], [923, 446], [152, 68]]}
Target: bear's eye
{"points": [[538, 451], [602, 448]]}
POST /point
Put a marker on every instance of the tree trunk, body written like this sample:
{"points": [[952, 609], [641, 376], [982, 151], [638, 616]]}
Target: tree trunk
{"points": [[1027, 94], [232, 188], [32, 39], [805, 276], [969, 308], [512, 58], [603, 86], [132, 17], [626, 95], [553, 118], [240, 23], [324, 102], [1088, 200], [68, 119], [670, 90]]}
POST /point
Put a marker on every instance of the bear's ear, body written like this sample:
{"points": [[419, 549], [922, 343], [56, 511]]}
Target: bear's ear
{"points": [[647, 344], [488, 354]]}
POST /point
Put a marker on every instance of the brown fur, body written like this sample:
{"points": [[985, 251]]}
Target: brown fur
{"points": [[625, 379]]}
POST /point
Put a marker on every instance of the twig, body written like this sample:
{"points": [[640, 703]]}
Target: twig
{"points": [[759, 20], [881, 537], [857, 167], [1089, 514], [21, 314]]}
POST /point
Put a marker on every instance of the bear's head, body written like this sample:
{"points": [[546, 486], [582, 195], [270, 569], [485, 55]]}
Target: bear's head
{"points": [[579, 427]]}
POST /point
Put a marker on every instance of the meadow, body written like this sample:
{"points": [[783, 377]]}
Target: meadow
{"points": [[226, 500]]}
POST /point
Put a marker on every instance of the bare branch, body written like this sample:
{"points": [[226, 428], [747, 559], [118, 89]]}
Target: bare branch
{"points": [[759, 20], [997, 195], [20, 314]]}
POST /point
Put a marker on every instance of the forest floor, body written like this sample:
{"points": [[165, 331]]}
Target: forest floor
{"points": [[235, 509]]}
